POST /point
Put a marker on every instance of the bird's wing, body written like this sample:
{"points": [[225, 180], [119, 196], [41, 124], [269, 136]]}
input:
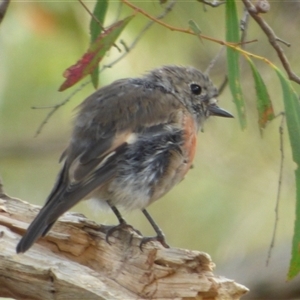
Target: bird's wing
{"points": [[108, 121]]}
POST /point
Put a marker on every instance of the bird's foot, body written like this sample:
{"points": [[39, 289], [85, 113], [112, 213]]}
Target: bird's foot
{"points": [[159, 238], [109, 230]]}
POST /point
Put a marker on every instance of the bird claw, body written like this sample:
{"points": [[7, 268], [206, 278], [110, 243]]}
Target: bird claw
{"points": [[159, 238], [109, 230]]}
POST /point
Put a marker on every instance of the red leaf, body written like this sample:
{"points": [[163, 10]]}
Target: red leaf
{"points": [[94, 54]]}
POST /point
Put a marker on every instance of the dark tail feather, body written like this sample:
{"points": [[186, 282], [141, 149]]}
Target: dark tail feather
{"points": [[44, 219], [56, 205], [39, 227]]}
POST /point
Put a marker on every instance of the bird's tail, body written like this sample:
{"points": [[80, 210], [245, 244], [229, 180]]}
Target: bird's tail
{"points": [[61, 200], [39, 227]]}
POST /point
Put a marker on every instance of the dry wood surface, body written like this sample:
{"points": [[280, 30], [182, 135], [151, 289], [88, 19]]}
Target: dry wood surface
{"points": [[74, 262]]}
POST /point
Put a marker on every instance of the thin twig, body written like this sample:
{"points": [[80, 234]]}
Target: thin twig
{"points": [[172, 28], [92, 15], [97, 21], [140, 35], [244, 27], [283, 42], [273, 39], [129, 48], [3, 8], [212, 3], [57, 106], [214, 60], [223, 85], [178, 29], [279, 187]]}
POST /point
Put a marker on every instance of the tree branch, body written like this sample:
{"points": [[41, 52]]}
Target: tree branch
{"points": [[3, 8], [273, 39], [75, 262]]}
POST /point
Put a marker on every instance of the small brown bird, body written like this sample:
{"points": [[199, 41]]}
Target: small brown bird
{"points": [[133, 140]]}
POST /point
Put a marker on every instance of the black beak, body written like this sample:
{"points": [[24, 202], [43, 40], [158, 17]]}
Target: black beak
{"points": [[215, 110]]}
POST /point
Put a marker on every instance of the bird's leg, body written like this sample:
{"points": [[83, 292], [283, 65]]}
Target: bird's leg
{"points": [[117, 213], [122, 223], [160, 237]]}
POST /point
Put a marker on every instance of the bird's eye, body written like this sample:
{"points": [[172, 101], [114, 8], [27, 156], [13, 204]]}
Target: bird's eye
{"points": [[196, 89]]}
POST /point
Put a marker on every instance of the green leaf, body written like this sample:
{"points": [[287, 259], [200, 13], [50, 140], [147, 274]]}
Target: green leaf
{"points": [[95, 77], [99, 12], [264, 104], [232, 35], [95, 30], [195, 28], [90, 60], [292, 113]]}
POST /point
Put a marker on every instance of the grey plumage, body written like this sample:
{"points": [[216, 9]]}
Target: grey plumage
{"points": [[130, 143]]}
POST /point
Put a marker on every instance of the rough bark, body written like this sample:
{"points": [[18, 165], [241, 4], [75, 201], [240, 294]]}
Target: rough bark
{"points": [[75, 262]]}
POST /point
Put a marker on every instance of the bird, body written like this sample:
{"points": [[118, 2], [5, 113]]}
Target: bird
{"points": [[132, 142]]}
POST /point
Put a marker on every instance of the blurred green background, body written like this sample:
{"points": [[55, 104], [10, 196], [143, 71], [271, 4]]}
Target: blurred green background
{"points": [[225, 205]]}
